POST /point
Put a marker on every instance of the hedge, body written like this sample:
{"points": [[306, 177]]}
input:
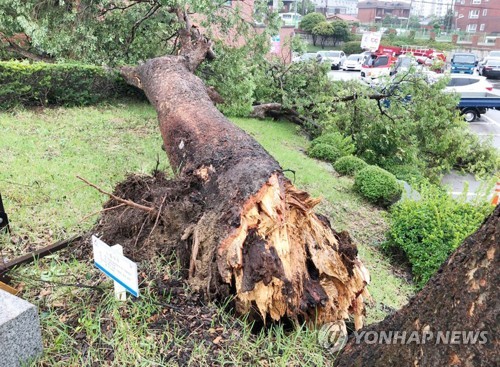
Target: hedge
{"points": [[43, 84]]}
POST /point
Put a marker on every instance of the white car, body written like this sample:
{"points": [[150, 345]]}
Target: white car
{"points": [[492, 55], [308, 56], [335, 58], [463, 83], [353, 62]]}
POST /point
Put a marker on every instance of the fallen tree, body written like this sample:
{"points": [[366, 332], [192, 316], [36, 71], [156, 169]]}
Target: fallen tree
{"points": [[453, 320], [240, 225]]}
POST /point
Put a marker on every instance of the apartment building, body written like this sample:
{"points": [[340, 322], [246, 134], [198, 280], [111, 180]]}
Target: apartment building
{"points": [[330, 7], [477, 16], [372, 11], [427, 8]]}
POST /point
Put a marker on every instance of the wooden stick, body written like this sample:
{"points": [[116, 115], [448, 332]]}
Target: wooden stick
{"points": [[38, 254], [119, 199]]}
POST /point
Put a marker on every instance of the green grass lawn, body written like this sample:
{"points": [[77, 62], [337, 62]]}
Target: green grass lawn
{"points": [[42, 152]]}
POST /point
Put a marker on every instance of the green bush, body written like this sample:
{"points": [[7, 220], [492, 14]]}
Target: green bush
{"points": [[349, 165], [428, 230], [353, 47], [57, 84], [377, 185], [331, 147], [406, 172]]}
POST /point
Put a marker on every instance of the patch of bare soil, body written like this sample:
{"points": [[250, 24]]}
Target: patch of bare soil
{"points": [[145, 235]]}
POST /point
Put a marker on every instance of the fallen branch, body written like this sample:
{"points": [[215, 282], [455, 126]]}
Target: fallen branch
{"points": [[276, 110], [119, 199], [356, 96]]}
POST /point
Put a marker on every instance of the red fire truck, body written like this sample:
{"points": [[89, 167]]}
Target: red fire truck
{"points": [[379, 63]]}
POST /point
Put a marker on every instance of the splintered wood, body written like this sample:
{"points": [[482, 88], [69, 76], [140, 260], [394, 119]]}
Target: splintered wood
{"points": [[287, 262]]}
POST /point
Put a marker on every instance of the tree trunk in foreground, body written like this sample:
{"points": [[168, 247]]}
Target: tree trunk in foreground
{"points": [[463, 296], [256, 234]]}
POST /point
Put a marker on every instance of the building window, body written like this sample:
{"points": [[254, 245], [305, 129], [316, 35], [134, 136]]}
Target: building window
{"points": [[471, 28], [476, 1], [481, 27], [474, 14], [485, 11]]}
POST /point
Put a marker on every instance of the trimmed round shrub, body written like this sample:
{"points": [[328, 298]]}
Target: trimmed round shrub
{"points": [[378, 185], [330, 147], [349, 165], [324, 152]]}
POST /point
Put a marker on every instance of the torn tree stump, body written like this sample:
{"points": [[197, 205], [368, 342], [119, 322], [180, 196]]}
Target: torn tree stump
{"points": [[248, 231]]}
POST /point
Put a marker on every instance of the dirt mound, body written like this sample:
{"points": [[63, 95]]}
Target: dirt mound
{"points": [[145, 235]]}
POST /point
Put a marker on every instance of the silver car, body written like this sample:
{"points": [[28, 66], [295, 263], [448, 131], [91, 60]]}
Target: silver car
{"points": [[335, 58]]}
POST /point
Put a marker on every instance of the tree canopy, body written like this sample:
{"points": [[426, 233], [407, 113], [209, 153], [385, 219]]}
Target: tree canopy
{"points": [[107, 32], [310, 21], [337, 31]]}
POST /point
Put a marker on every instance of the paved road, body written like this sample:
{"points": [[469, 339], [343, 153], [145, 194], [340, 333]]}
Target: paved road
{"points": [[487, 126]]}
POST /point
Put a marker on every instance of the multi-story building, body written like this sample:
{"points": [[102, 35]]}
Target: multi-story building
{"points": [[427, 8], [372, 11], [330, 7], [477, 16]]}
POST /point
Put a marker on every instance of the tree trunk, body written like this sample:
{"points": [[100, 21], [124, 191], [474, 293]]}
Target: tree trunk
{"points": [[254, 234], [463, 296]]}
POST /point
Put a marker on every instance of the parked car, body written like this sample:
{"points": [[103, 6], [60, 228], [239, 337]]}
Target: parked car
{"points": [[468, 83], [491, 69], [308, 56], [463, 63], [335, 58], [353, 62], [492, 55]]}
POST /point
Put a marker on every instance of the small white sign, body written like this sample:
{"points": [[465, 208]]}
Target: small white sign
{"points": [[116, 266], [371, 41]]}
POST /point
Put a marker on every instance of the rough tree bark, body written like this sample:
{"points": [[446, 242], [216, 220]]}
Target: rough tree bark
{"points": [[255, 234], [462, 296]]}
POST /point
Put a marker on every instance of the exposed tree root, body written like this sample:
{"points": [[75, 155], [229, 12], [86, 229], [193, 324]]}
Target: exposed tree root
{"points": [[282, 261]]}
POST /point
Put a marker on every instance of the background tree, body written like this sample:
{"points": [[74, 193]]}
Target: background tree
{"points": [[305, 7], [390, 21], [414, 22], [340, 32], [309, 21], [448, 20], [324, 31]]}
